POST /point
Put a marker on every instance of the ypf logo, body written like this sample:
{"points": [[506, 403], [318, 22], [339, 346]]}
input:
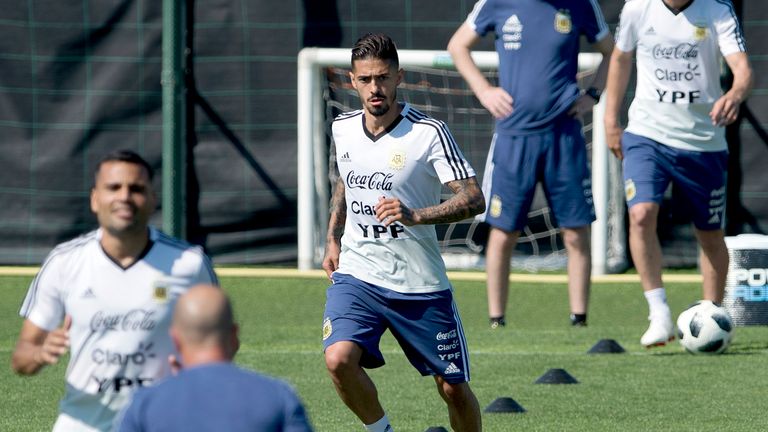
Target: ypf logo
{"points": [[750, 285]]}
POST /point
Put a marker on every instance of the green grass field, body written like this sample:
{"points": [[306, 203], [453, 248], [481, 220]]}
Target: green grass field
{"points": [[642, 390]]}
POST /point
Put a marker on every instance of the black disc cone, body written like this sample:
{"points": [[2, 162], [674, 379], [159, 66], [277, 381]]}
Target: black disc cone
{"points": [[504, 405], [556, 376], [606, 346], [436, 429]]}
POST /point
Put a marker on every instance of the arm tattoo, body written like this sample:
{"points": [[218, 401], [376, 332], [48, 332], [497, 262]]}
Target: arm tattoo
{"points": [[467, 201], [338, 212]]}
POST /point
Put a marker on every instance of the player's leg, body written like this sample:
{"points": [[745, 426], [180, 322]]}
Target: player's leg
{"points": [[509, 185], [702, 177], [645, 180], [463, 408], [428, 328], [644, 244], [497, 266], [352, 328], [353, 385], [568, 186], [577, 246], [714, 264]]}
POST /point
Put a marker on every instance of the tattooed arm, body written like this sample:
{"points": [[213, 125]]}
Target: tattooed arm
{"points": [[337, 219], [467, 201]]}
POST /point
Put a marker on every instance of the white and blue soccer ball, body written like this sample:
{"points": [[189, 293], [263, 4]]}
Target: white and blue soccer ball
{"points": [[705, 328]]}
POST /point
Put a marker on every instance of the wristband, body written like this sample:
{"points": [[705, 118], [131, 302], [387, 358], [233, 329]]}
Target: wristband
{"points": [[594, 93]]}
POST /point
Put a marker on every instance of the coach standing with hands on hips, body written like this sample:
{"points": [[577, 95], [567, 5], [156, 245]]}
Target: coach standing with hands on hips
{"points": [[538, 136]]}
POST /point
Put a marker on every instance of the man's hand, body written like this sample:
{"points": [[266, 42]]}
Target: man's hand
{"points": [[391, 210], [582, 106], [55, 344], [37, 347], [725, 110], [497, 101], [331, 259], [613, 132]]}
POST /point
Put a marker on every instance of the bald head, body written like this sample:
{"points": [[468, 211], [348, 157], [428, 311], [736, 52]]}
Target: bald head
{"points": [[203, 318]]}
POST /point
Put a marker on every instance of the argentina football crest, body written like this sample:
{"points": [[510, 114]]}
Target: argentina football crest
{"points": [[327, 328], [563, 23]]}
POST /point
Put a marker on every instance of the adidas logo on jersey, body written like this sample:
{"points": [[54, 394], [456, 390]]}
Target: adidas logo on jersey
{"points": [[345, 158], [88, 293], [512, 24], [451, 369], [650, 31]]}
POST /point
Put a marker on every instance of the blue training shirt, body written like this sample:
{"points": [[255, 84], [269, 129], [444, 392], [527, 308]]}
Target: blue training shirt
{"points": [[216, 397], [538, 46]]}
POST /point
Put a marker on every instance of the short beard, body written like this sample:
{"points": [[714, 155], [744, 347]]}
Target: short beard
{"points": [[383, 109], [379, 111]]}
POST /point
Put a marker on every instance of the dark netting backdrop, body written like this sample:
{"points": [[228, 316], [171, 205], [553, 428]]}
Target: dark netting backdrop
{"points": [[79, 79]]}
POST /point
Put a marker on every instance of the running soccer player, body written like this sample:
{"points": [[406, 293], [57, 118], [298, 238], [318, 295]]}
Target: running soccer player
{"points": [[108, 296], [675, 132], [538, 139], [382, 253]]}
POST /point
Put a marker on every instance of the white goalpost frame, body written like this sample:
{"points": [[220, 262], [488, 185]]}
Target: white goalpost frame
{"points": [[312, 167]]}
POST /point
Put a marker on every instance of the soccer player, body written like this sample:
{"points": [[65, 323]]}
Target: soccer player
{"points": [[675, 132], [538, 108], [381, 249], [108, 295], [210, 393]]}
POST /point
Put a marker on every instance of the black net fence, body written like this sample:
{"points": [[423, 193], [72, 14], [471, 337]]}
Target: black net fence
{"points": [[82, 78]]}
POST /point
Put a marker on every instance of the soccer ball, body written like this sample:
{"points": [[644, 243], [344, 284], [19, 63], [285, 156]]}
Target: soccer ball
{"points": [[704, 328]]}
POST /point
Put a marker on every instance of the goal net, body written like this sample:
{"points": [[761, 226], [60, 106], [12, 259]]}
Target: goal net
{"points": [[433, 86]]}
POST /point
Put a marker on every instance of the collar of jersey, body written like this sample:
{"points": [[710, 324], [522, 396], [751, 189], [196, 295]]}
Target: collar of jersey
{"points": [[389, 128]]}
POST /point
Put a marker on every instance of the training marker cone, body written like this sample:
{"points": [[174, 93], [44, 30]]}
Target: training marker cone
{"points": [[556, 376], [504, 405], [606, 346]]}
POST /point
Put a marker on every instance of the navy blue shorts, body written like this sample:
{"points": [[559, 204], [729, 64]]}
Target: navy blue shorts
{"points": [[556, 158], [427, 326], [649, 167]]}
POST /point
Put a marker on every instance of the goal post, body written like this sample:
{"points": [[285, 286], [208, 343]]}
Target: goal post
{"points": [[608, 243]]}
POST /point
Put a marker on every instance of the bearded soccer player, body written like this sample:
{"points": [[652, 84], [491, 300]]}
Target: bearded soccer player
{"points": [[382, 253], [108, 296], [675, 132]]}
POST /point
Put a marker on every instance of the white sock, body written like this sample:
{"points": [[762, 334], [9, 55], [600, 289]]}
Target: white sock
{"points": [[382, 425], [657, 303]]}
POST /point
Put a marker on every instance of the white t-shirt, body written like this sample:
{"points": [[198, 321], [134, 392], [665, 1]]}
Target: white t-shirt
{"points": [[409, 161], [678, 69], [120, 318]]}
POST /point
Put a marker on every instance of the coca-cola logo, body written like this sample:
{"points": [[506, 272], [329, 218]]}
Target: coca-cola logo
{"points": [[684, 51], [133, 320], [375, 181], [447, 335]]}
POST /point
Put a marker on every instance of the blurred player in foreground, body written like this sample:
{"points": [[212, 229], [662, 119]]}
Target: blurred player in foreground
{"points": [[538, 108], [675, 132], [210, 393], [108, 296], [381, 249]]}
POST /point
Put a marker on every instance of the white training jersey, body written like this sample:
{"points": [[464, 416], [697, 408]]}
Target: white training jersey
{"points": [[120, 318], [410, 161], [678, 68]]}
